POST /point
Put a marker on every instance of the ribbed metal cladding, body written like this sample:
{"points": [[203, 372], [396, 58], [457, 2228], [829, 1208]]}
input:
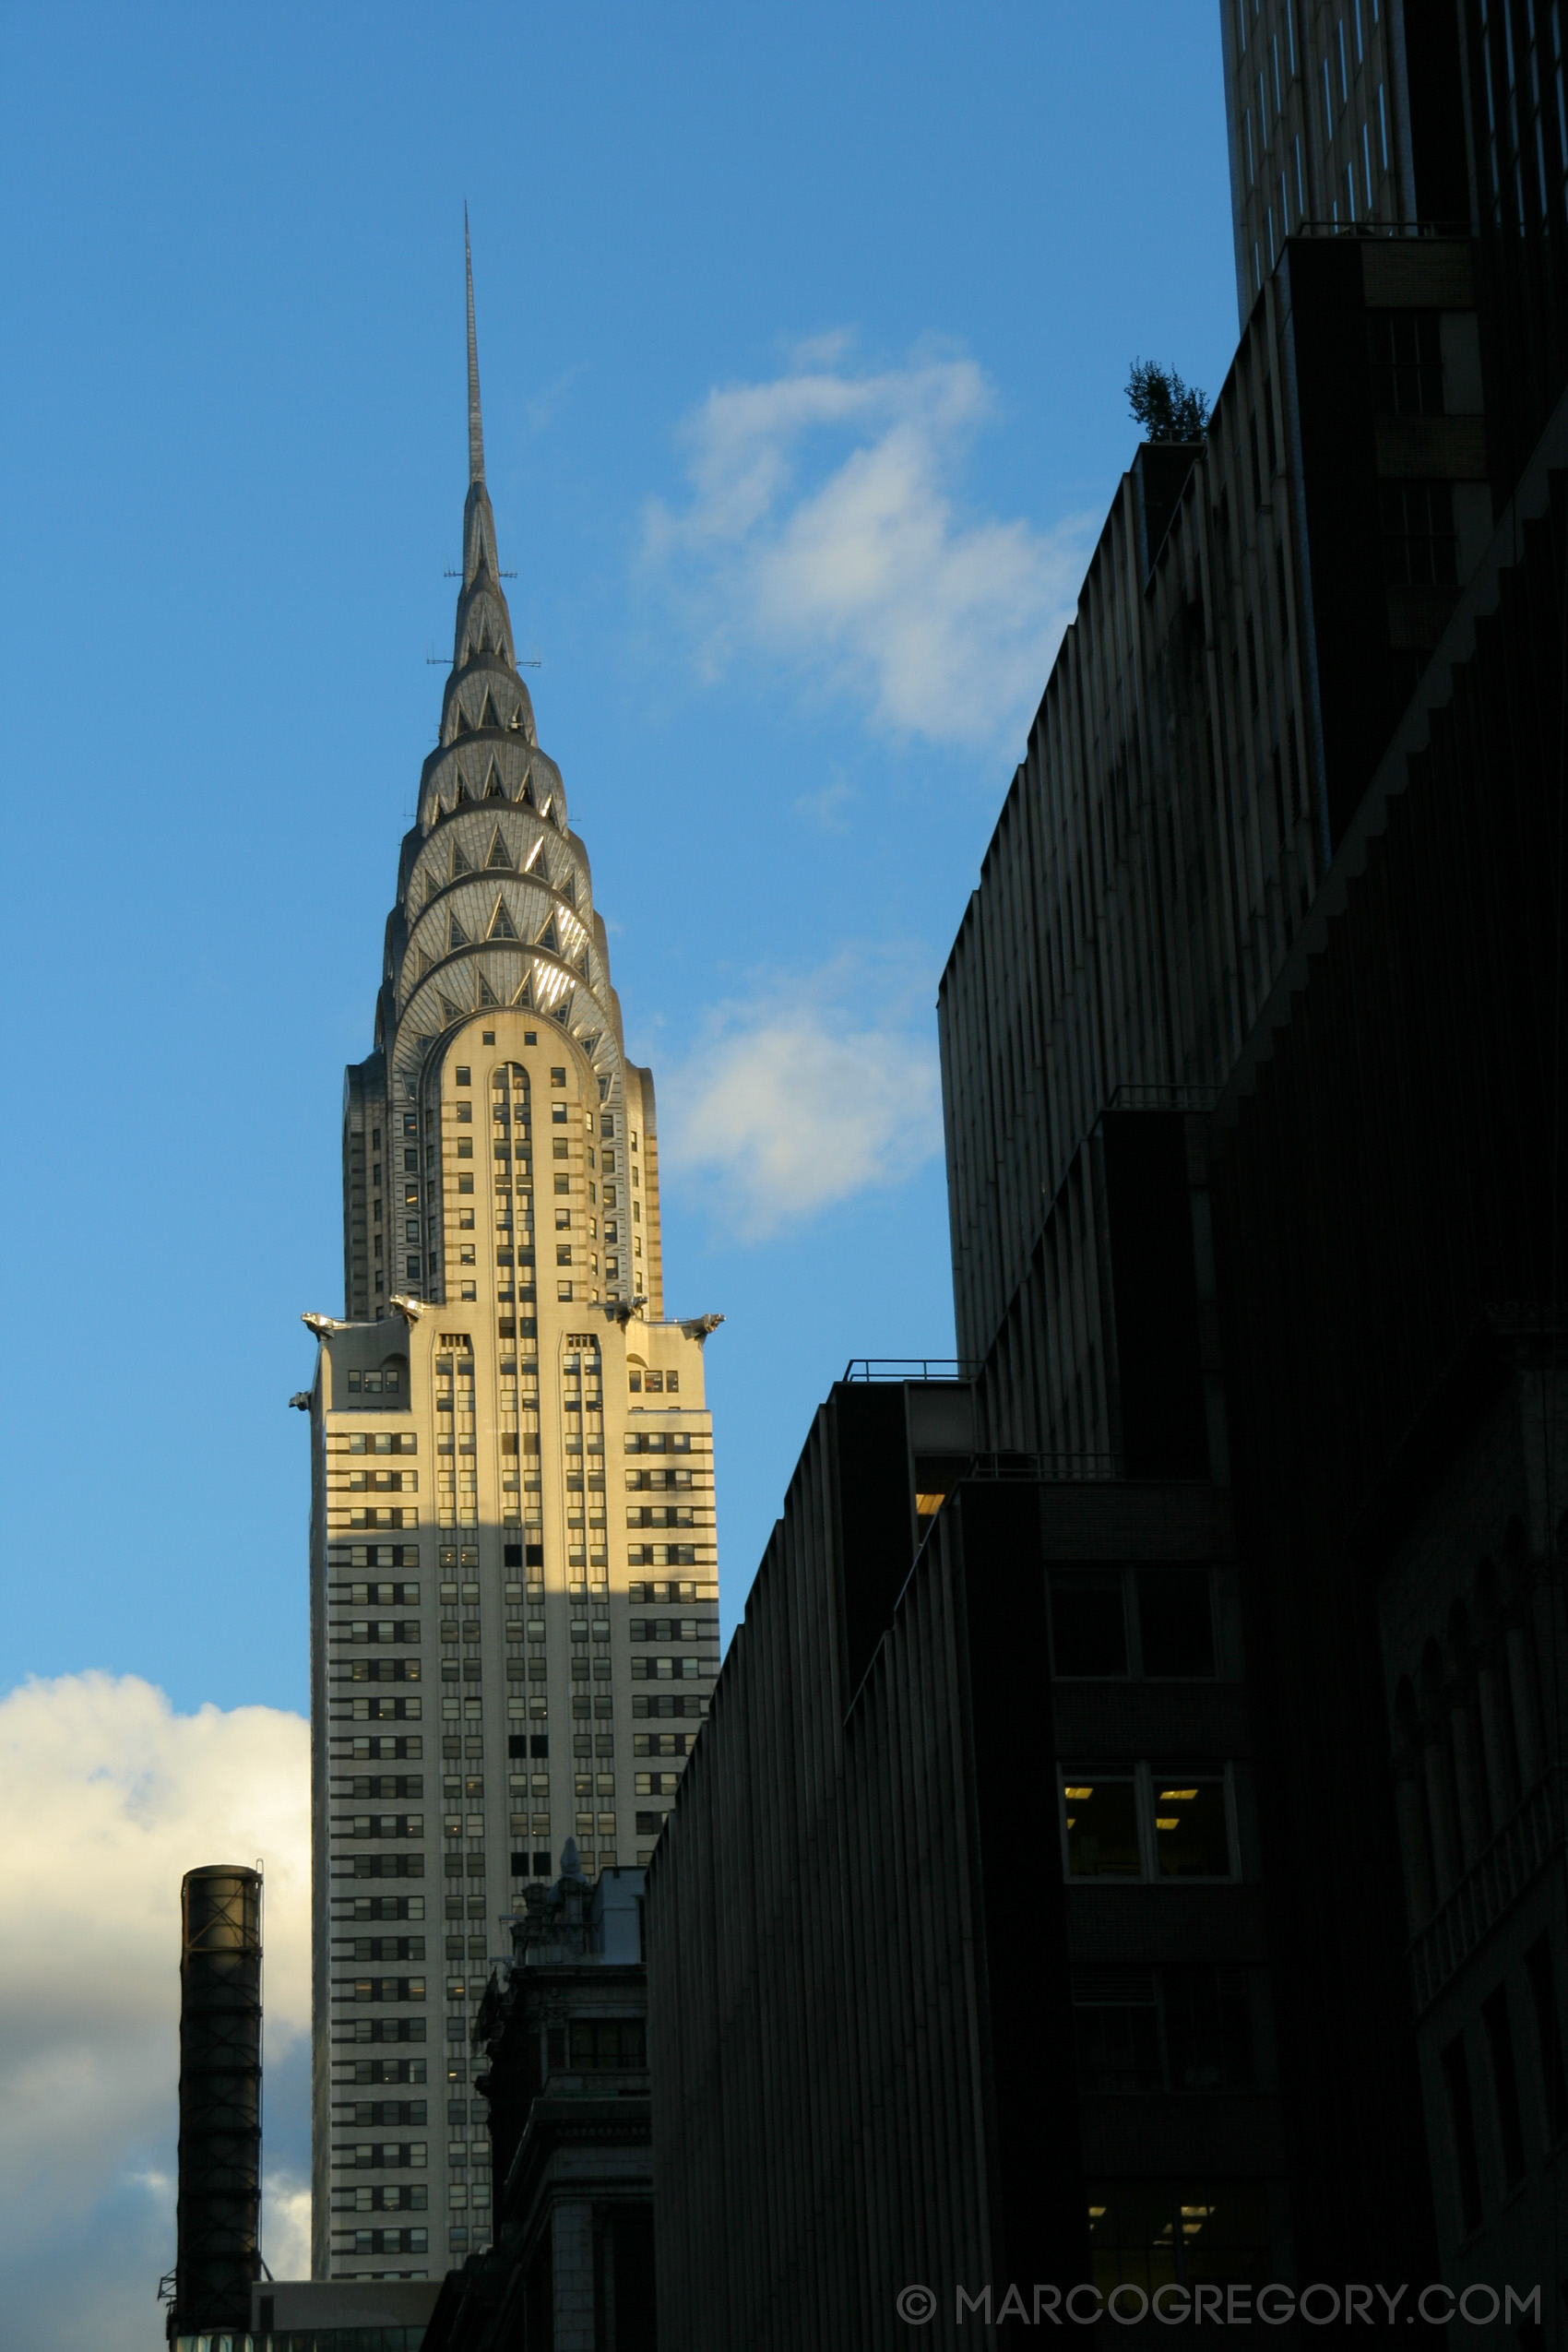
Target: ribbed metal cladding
{"points": [[817, 1967], [220, 2195]]}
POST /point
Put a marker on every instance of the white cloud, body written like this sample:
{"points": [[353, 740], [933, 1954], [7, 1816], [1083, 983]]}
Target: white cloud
{"points": [[827, 808], [805, 1094], [821, 531], [113, 1797], [288, 2225], [543, 409]]}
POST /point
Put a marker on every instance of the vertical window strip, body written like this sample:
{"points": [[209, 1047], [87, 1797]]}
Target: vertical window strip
{"points": [[1351, 188], [1344, 69], [1301, 183], [1366, 164], [1359, 50], [1291, 37], [1328, 108], [1382, 127], [1515, 141]]}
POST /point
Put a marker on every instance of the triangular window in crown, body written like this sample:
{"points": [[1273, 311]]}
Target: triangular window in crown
{"points": [[453, 1012], [462, 728], [534, 862], [525, 994], [461, 861], [493, 787], [486, 993], [455, 935], [464, 795], [583, 964], [527, 795], [487, 717], [567, 886], [547, 804], [547, 939], [564, 1012], [500, 923], [499, 853], [514, 724]]}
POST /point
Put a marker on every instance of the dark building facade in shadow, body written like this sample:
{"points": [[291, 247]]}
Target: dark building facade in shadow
{"points": [[1390, 1219], [959, 1956], [1126, 1850], [569, 2266]]}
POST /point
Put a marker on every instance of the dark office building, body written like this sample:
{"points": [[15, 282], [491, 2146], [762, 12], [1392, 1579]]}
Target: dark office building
{"points": [[1253, 619], [1390, 1225], [909, 2024], [1127, 1843], [1344, 114]]}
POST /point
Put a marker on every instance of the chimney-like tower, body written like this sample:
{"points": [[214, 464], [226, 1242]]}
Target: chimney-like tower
{"points": [[219, 2099]]}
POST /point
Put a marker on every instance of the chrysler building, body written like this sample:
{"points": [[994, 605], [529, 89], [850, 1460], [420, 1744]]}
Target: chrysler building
{"points": [[514, 1595]]}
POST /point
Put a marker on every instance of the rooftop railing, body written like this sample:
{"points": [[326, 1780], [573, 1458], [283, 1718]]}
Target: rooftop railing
{"points": [[1376, 227], [1038, 1467], [305, 2339], [1139, 1098]]}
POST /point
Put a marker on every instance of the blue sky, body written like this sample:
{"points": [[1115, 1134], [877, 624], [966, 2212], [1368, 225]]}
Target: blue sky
{"points": [[803, 337]]}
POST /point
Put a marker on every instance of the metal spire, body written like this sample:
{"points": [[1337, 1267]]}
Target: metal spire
{"points": [[476, 424]]}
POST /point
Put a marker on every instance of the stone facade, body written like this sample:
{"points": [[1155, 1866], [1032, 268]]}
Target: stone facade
{"points": [[563, 2025]]}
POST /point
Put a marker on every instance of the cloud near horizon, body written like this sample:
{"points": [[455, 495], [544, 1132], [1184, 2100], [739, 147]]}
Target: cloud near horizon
{"points": [[805, 1093], [114, 1796], [823, 531]]}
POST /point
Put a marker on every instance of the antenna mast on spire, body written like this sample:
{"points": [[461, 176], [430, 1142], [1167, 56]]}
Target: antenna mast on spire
{"points": [[476, 425]]}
